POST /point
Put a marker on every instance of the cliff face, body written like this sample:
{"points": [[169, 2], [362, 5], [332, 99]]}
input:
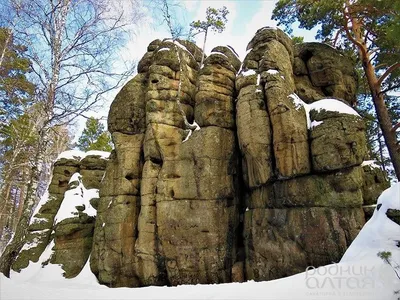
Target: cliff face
{"points": [[261, 180], [226, 172]]}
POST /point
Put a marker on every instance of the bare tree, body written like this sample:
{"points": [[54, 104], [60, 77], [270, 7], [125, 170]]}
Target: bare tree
{"points": [[167, 11], [73, 46]]}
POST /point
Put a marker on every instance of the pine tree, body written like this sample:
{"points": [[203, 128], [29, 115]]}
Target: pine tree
{"points": [[215, 21], [371, 29], [94, 137], [16, 91]]}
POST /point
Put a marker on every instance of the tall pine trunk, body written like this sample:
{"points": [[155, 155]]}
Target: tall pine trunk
{"points": [[374, 84]]}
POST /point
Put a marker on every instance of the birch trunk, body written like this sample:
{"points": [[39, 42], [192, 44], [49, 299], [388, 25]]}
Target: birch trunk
{"points": [[14, 247]]}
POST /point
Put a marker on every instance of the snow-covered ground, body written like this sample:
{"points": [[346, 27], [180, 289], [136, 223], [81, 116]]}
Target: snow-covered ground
{"points": [[361, 274]]}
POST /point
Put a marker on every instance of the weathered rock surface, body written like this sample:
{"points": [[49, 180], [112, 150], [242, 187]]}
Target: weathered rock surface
{"points": [[169, 204], [323, 72], [375, 182], [338, 141], [295, 216], [280, 242], [223, 173]]}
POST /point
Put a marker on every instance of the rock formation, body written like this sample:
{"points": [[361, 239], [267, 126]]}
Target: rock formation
{"points": [[170, 196], [375, 181], [61, 218], [226, 172]]}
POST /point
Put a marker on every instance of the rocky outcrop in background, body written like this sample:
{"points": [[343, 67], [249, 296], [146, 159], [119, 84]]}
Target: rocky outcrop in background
{"points": [[226, 172], [63, 218]]}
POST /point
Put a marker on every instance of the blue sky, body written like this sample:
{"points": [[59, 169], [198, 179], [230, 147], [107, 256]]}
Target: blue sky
{"points": [[244, 18]]}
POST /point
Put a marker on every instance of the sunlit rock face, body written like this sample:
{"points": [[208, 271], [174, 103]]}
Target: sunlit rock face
{"points": [[168, 212], [228, 171]]}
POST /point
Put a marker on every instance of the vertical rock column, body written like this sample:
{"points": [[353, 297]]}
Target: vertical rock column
{"points": [[112, 259], [174, 69], [288, 118], [191, 174], [295, 218], [211, 242]]}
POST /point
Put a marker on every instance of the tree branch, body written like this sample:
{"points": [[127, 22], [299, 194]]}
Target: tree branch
{"points": [[395, 127], [360, 46], [387, 72]]}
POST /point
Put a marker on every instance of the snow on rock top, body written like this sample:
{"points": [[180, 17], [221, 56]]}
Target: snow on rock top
{"points": [[163, 49], [102, 154], [79, 155], [219, 53], [370, 163], [73, 198], [323, 104], [269, 27], [249, 72], [71, 154], [179, 45], [273, 71], [333, 105]]}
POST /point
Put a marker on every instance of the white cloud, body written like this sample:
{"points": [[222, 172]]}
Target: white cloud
{"points": [[261, 19], [191, 5]]}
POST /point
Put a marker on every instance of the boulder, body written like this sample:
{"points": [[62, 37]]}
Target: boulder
{"points": [[330, 72], [338, 140]]}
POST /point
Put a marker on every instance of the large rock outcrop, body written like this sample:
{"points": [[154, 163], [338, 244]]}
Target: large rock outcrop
{"points": [[303, 187], [224, 172], [168, 206]]}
